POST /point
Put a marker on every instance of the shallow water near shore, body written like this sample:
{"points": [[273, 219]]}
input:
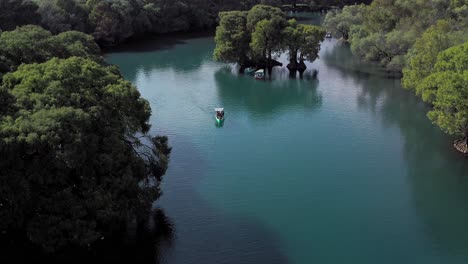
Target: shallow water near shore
{"points": [[338, 169]]}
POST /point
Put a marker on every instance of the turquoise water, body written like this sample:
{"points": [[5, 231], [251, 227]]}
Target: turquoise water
{"points": [[344, 168]]}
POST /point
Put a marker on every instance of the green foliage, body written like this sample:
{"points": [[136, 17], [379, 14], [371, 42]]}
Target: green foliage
{"points": [[266, 38], [423, 57], [232, 37], [459, 11], [388, 49], [74, 43], [341, 21], [26, 44], [449, 85], [292, 39], [30, 44], [302, 41], [114, 21], [310, 44], [255, 37], [386, 30], [262, 12], [73, 163]]}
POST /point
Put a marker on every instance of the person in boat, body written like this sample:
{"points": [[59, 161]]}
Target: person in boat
{"points": [[219, 113]]}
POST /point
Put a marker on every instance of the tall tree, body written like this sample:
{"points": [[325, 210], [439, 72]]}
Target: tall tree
{"points": [[267, 37], [232, 38], [303, 43]]}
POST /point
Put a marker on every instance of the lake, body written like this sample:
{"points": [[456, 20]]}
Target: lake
{"points": [[344, 168]]}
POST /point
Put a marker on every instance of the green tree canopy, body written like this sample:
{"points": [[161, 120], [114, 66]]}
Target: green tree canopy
{"points": [[257, 37], [386, 30], [73, 160], [267, 37], [232, 37], [30, 44], [26, 44], [450, 91], [423, 57], [262, 12], [310, 44], [302, 43], [341, 21]]}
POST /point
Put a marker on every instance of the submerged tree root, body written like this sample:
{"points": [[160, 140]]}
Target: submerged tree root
{"points": [[461, 145]]}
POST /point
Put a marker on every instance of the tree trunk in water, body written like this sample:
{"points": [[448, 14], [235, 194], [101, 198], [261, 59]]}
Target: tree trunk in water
{"points": [[292, 67], [292, 73], [242, 69], [301, 68]]}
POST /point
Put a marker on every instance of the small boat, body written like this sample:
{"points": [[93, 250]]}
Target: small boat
{"points": [[328, 35], [260, 74], [219, 115]]}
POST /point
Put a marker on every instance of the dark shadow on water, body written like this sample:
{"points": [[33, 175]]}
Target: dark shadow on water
{"points": [[205, 234], [144, 243], [266, 97]]}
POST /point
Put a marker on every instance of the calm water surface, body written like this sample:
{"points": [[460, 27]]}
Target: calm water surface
{"points": [[342, 169]]}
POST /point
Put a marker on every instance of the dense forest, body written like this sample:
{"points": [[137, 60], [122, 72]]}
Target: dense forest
{"points": [[77, 157], [425, 41], [76, 153], [114, 21]]}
